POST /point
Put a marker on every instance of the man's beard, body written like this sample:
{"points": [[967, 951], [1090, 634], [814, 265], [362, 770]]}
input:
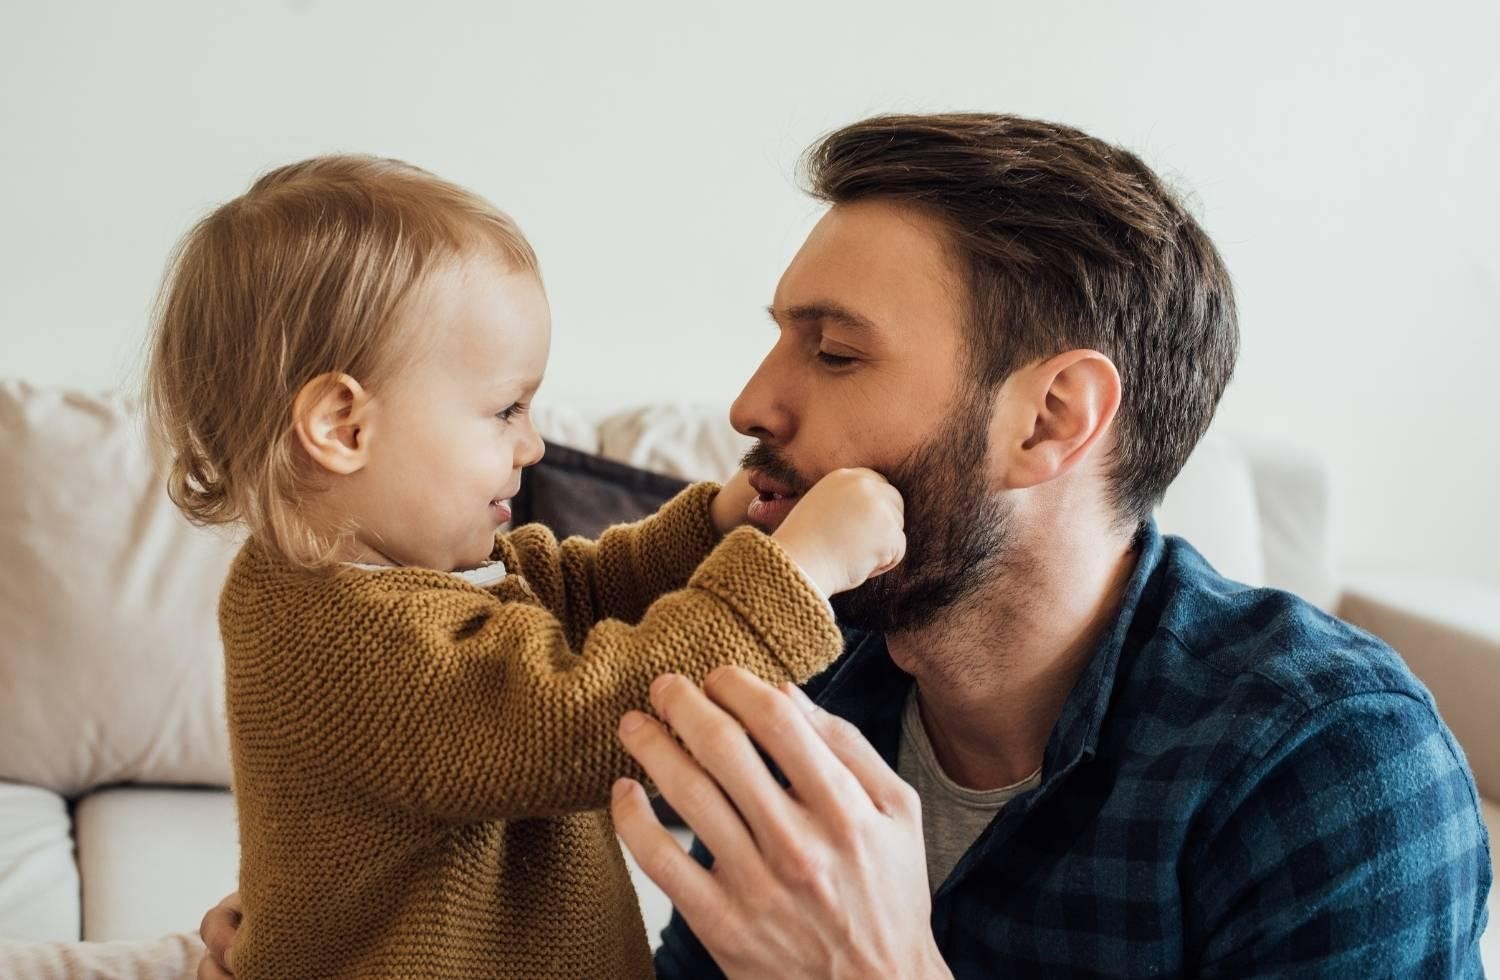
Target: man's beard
{"points": [[956, 529]]}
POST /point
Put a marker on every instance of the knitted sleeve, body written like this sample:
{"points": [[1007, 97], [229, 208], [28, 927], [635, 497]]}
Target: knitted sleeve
{"points": [[620, 575], [449, 702]]}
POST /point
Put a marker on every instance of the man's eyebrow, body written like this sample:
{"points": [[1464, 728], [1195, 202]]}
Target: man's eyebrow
{"points": [[813, 312]]}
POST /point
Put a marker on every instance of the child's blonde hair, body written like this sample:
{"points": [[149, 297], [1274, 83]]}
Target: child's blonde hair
{"points": [[299, 277]]}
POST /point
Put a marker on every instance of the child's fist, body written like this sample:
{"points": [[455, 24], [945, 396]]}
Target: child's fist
{"points": [[729, 507], [846, 529]]}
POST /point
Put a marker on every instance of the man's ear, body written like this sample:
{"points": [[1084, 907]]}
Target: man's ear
{"points": [[333, 416], [1051, 414]]}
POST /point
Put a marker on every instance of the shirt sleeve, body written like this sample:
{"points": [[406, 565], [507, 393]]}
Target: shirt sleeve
{"points": [[1354, 847]]}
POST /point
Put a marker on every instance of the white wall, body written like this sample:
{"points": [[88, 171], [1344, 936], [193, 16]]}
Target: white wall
{"points": [[1343, 155]]}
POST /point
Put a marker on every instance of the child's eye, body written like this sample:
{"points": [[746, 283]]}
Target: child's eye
{"points": [[505, 415]]}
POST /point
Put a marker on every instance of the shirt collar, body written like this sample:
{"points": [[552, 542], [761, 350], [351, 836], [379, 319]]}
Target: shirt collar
{"points": [[486, 574], [867, 688], [1076, 734]]}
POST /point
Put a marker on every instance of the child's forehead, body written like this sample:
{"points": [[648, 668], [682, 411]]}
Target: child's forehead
{"points": [[483, 322]]}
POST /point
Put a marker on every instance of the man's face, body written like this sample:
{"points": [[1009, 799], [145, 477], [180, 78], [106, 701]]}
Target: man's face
{"points": [[869, 370]]}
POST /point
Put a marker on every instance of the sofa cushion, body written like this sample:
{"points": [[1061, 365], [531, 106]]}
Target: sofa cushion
{"points": [[694, 442], [38, 879], [1293, 499], [110, 663], [1212, 504], [153, 860], [562, 425]]}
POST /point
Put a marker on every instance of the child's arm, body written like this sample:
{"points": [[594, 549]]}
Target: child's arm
{"points": [[631, 565], [445, 701]]}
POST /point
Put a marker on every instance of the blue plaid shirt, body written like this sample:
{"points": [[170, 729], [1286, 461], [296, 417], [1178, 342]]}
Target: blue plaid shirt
{"points": [[1238, 786]]}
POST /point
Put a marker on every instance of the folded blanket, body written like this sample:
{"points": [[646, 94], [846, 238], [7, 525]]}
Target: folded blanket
{"points": [[168, 958]]}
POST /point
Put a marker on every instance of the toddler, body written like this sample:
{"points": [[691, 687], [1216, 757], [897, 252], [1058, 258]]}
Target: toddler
{"points": [[423, 710]]}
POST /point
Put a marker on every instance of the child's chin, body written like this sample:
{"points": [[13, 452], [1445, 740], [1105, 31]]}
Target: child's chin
{"points": [[472, 563], [482, 557]]}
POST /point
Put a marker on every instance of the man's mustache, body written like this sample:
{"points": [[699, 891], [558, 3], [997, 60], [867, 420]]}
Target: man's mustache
{"points": [[768, 461]]}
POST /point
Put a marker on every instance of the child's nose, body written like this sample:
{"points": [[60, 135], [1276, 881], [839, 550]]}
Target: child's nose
{"points": [[535, 448]]}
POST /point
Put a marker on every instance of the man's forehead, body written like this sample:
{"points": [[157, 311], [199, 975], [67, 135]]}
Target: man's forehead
{"points": [[864, 265]]}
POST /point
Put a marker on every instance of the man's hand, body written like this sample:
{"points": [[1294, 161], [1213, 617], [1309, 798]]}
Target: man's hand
{"points": [[733, 500], [217, 932], [827, 880]]}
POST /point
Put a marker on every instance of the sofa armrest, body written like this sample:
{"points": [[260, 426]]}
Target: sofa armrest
{"points": [[1448, 631]]}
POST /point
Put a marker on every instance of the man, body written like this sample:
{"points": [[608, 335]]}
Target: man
{"points": [[1058, 744], [1123, 764]]}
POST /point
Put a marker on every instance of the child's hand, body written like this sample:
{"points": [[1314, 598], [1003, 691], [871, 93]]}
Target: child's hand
{"points": [[846, 529], [729, 507], [217, 932]]}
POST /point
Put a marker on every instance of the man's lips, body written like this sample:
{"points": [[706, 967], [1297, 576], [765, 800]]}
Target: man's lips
{"points": [[775, 502], [770, 488]]}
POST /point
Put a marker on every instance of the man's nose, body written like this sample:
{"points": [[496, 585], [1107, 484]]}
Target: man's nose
{"points": [[762, 410]]}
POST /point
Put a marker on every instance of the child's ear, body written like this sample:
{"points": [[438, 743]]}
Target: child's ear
{"points": [[1053, 414], [333, 417]]}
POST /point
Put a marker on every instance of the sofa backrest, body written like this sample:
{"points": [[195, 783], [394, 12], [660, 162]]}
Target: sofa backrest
{"points": [[110, 666]]}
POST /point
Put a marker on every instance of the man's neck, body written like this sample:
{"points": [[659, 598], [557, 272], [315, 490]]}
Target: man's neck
{"points": [[993, 674]]}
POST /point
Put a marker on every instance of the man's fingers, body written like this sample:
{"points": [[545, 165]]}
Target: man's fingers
{"points": [[780, 727], [683, 783], [692, 890], [891, 794], [720, 745]]}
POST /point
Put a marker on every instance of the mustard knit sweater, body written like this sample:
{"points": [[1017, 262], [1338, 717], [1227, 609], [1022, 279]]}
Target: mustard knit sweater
{"points": [[421, 765]]}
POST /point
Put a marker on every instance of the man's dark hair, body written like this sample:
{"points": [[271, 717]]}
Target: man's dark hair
{"points": [[1065, 242]]}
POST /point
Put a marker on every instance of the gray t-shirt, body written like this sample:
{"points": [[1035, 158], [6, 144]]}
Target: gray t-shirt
{"points": [[953, 816]]}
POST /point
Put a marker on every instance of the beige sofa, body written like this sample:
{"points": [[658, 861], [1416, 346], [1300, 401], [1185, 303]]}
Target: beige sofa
{"points": [[115, 824]]}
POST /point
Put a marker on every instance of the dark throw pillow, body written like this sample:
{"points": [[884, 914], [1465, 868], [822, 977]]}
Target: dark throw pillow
{"points": [[574, 492]]}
